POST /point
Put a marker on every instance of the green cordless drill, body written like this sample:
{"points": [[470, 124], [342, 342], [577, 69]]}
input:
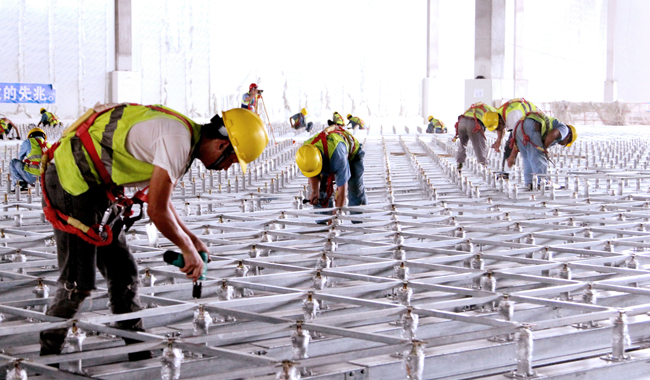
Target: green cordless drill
{"points": [[176, 259]]}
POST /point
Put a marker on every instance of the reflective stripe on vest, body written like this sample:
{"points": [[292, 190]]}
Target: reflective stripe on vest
{"points": [[107, 135], [437, 123], [478, 110], [333, 138], [251, 103], [520, 104], [357, 120], [545, 121], [3, 126], [51, 118], [33, 158], [338, 119]]}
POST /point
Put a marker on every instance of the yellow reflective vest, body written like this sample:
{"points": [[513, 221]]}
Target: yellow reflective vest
{"points": [[333, 139], [520, 104], [33, 158], [77, 173], [478, 110]]}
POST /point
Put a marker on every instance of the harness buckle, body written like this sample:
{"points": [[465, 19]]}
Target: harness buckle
{"points": [[117, 209]]}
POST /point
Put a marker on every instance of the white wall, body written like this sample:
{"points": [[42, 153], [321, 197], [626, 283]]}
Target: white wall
{"points": [[68, 43], [631, 63], [365, 57], [565, 49]]}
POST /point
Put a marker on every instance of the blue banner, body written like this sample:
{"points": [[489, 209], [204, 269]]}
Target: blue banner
{"points": [[27, 93]]}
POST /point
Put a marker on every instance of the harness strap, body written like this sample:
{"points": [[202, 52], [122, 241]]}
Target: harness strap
{"points": [[322, 137], [477, 127], [114, 192], [526, 139], [65, 223], [524, 102]]}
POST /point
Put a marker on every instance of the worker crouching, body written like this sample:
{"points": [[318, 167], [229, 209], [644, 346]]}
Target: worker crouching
{"points": [[299, 120], [26, 168], [436, 126]]}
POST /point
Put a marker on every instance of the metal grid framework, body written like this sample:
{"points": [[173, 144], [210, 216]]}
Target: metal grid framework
{"points": [[490, 279]]}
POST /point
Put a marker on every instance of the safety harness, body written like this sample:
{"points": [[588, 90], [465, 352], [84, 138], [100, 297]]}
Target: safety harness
{"points": [[477, 126], [98, 235], [33, 164], [52, 119], [329, 183], [526, 139], [524, 102]]}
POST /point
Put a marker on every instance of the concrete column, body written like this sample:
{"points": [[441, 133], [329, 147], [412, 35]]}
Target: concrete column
{"points": [[521, 84], [433, 32], [124, 82], [429, 98], [489, 55], [610, 82], [490, 38], [123, 35]]}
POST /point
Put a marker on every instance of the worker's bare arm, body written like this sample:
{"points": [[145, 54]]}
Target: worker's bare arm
{"points": [[164, 217], [314, 184], [551, 136], [341, 191]]}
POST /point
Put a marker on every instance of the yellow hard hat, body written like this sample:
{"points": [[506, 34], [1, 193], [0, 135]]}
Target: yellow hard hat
{"points": [[303, 111], [574, 134], [246, 133], [43, 110], [309, 160], [349, 116], [29, 134], [491, 120], [430, 118]]}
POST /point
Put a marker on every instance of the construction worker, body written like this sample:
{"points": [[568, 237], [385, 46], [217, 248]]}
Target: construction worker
{"points": [[471, 125], [6, 127], [250, 99], [48, 118], [26, 168], [436, 126], [337, 119], [333, 156], [298, 121], [510, 113], [533, 137], [150, 147], [356, 122]]}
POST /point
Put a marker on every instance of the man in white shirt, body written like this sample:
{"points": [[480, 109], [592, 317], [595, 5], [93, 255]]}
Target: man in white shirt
{"points": [[129, 145]]}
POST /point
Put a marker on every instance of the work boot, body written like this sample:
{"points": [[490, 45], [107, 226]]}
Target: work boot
{"points": [[65, 305], [23, 185], [460, 167]]}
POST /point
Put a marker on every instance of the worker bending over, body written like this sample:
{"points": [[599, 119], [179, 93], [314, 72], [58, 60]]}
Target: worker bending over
{"points": [[333, 156], [471, 125], [298, 121], [533, 136], [6, 127], [129, 145], [251, 98], [26, 168], [436, 126], [48, 118], [356, 122], [510, 114], [337, 119]]}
